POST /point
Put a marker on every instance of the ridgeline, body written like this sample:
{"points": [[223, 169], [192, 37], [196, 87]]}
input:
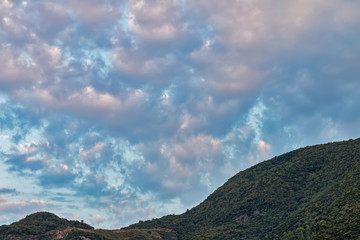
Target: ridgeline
{"points": [[309, 193]]}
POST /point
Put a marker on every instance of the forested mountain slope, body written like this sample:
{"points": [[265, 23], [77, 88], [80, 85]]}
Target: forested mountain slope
{"points": [[309, 193]]}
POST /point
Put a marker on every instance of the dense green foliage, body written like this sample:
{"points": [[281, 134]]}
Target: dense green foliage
{"points": [[40, 225], [79, 234], [309, 193], [45, 226], [137, 234]]}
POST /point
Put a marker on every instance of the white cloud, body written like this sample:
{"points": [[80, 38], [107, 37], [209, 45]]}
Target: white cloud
{"points": [[87, 99], [17, 70], [46, 56], [137, 64], [264, 148], [92, 152], [155, 20], [24, 148], [4, 137], [261, 23], [53, 17], [235, 79], [5, 4], [96, 12], [96, 219], [182, 163], [15, 207], [90, 98], [64, 167]]}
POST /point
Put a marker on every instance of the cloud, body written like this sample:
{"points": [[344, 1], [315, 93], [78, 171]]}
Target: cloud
{"points": [[89, 103], [96, 219], [12, 211], [93, 185], [51, 18], [11, 191], [97, 13], [5, 4], [57, 176], [4, 137], [92, 152], [264, 149], [134, 64], [25, 156], [17, 70], [235, 79], [8, 207], [48, 56], [155, 20], [244, 24], [180, 166]]}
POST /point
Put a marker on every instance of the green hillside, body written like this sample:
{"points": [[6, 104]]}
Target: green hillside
{"points": [[41, 225], [309, 193], [47, 226]]}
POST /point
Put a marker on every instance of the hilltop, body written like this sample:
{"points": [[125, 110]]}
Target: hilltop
{"points": [[45, 226], [41, 225]]}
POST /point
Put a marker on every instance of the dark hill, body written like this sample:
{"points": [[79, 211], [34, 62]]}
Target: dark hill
{"points": [[309, 193], [41, 225], [47, 226]]}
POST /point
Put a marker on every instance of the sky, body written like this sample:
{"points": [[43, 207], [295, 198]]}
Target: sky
{"points": [[115, 111]]}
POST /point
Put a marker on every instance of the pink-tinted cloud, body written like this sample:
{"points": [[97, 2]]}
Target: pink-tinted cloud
{"points": [[95, 12], [17, 69], [135, 63], [96, 219], [155, 20], [258, 24], [7, 206]]}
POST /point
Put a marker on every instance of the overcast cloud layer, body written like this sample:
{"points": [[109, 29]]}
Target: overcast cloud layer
{"points": [[115, 111]]}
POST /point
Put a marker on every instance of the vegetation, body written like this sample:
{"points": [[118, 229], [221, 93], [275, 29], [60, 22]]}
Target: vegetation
{"points": [[309, 193], [45, 226], [41, 225], [133, 234]]}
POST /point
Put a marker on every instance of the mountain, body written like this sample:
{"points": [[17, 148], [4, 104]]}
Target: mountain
{"points": [[309, 193], [45, 226], [41, 225]]}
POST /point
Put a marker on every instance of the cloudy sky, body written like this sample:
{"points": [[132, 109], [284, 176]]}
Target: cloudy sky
{"points": [[114, 111]]}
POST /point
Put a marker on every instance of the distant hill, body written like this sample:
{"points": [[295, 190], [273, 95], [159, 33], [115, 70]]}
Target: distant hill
{"points": [[46, 226], [309, 193], [41, 225]]}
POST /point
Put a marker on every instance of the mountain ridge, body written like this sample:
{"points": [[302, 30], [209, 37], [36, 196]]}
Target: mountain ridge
{"points": [[309, 193], [45, 226]]}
